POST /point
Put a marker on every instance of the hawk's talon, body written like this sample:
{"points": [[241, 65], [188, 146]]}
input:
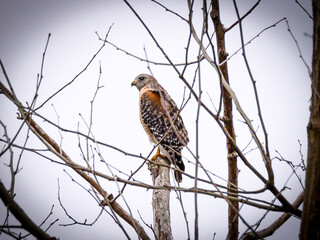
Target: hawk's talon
{"points": [[157, 154]]}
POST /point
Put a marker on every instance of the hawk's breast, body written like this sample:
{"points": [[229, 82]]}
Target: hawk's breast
{"points": [[151, 115]]}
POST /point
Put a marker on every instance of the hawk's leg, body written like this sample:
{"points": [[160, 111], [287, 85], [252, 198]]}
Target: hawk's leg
{"points": [[157, 154]]}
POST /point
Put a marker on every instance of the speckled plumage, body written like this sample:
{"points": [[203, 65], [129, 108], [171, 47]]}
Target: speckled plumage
{"points": [[160, 118]]}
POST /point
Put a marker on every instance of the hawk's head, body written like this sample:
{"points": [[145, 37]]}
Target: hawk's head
{"points": [[143, 80]]}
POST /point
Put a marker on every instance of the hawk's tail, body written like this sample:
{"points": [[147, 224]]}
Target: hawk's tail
{"points": [[178, 163], [178, 176]]}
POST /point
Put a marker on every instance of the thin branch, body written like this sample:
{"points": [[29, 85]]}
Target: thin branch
{"points": [[12, 172], [298, 48], [301, 156], [292, 166], [300, 5], [148, 225], [40, 78], [168, 10], [50, 213], [179, 197], [244, 16], [148, 63], [196, 218]]}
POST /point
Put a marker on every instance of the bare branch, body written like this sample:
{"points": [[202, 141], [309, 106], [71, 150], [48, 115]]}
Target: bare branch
{"points": [[244, 16], [168, 10], [40, 78], [298, 47], [300, 5]]}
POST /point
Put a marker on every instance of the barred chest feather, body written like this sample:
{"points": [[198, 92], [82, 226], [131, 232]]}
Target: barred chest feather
{"points": [[151, 116]]}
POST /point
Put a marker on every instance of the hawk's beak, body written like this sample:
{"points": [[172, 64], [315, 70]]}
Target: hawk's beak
{"points": [[133, 83]]}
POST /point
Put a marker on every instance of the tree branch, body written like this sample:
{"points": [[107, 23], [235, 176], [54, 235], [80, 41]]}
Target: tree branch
{"points": [[21, 216], [228, 122]]}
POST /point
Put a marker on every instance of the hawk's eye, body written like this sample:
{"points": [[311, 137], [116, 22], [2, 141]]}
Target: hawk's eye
{"points": [[141, 78]]}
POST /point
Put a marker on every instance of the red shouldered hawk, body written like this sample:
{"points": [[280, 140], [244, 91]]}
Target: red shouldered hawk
{"points": [[160, 118]]}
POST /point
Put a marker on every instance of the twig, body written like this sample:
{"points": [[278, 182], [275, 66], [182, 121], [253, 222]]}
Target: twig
{"points": [[204, 27], [301, 156], [179, 197], [298, 48], [148, 225], [168, 10], [12, 172], [40, 78], [146, 55], [244, 16], [50, 213], [292, 166], [309, 15], [58, 119]]}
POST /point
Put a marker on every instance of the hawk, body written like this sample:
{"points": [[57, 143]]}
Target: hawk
{"points": [[160, 118]]}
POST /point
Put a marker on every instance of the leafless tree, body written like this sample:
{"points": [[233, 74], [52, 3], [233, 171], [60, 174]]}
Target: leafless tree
{"points": [[311, 209], [210, 45]]}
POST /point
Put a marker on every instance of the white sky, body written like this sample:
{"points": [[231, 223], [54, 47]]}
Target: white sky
{"points": [[282, 81]]}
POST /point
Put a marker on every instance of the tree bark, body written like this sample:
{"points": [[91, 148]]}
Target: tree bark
{"points": [[160, 171], [310, 225], [233, 222]]}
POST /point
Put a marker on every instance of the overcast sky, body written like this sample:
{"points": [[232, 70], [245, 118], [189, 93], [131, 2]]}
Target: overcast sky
{"points": [[282, 81]]}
